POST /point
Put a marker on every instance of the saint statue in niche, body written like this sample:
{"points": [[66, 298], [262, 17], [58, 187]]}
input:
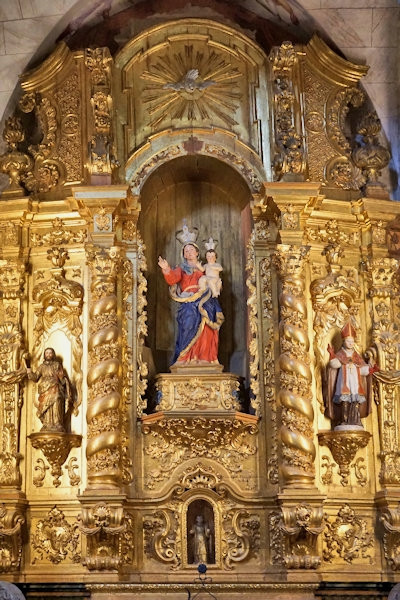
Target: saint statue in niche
{"points": [[199, 316], [201, 535], [54, 392], [349, 389]]}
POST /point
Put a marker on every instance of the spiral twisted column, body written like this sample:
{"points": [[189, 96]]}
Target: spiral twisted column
{"points": [[296, 431], [104, 374]]}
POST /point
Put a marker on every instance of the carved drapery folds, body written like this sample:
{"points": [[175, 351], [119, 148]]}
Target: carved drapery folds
{"points": [[104, 380], [296, 433]]}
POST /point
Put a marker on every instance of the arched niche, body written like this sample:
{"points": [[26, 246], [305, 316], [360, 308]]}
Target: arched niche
{"points": [[215, 198]]}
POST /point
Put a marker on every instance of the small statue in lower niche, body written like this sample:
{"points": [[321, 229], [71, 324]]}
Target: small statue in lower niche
{"points": [[201, 534]]}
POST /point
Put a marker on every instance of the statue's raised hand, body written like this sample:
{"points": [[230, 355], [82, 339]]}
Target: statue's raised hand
{"points": [[163, 264]]}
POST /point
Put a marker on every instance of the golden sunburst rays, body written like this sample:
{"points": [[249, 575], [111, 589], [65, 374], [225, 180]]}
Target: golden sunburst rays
{"points": [[191, 86]]}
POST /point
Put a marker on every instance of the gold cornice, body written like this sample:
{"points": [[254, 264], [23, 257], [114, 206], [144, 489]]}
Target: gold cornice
{"points": [[46, 76], [330, 66]]}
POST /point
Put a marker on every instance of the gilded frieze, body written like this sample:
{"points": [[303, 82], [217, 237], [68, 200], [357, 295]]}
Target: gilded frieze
{"points": [[171, 441]]}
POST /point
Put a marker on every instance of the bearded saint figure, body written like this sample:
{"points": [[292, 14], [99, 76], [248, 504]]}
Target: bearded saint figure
{"points": [[54, 392]]}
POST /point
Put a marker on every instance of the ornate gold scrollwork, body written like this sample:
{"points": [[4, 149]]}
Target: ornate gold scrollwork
{"points": [[289, 138], [344, 445], [55, 539], [162, 538], [56, 448], [347, 536]]}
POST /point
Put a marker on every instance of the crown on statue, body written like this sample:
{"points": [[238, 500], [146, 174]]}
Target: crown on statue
{"points": [[348, 331], [187, 235], [210, 244]]}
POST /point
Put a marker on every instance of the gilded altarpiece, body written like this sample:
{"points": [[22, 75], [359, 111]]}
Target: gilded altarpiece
{"points": [[147, 458]]}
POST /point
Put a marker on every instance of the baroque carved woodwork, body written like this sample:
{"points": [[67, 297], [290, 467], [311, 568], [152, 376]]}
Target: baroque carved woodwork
{"points": [[198, 114]]}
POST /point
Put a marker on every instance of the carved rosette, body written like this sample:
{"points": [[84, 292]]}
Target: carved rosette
{"points": [[109, 534], [104, 380], [296, 433], [289, 138], [11, 522], [294, 534]]}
